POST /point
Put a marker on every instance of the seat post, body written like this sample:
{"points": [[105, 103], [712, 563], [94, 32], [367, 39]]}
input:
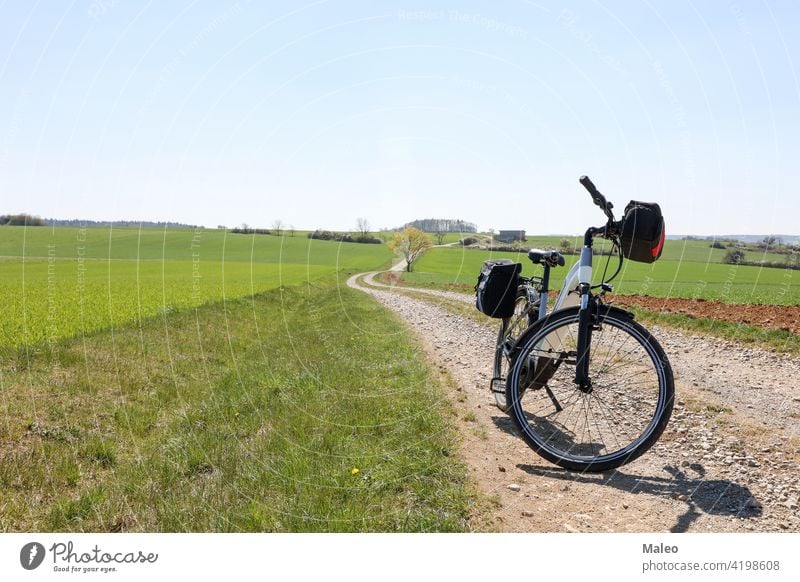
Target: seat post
{"points": [[545, 290], [546, 277]]}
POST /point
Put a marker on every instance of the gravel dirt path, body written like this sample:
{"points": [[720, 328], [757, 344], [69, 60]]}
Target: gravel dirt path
{"points": [[726, 463]]}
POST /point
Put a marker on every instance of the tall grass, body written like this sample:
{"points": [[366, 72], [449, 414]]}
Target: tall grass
{"points": [[304, 408]]}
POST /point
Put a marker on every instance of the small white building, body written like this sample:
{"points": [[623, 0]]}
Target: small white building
{"points": [[509, 236]]}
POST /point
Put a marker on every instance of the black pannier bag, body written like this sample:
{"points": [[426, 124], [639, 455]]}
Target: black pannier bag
{"points": [[642, 236], [497, 287]]}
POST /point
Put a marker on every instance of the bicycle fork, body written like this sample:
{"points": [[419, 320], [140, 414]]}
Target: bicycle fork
{"points": [[585, 323], [585, 317]]}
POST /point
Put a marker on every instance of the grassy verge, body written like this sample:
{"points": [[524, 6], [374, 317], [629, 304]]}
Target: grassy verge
{"points": [[300, 409], [433, 281]]}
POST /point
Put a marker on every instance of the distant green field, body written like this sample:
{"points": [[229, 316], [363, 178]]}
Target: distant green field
{"points": [[687, 269], [454, 237], [62, 282], [181, 245], [688, 250]]}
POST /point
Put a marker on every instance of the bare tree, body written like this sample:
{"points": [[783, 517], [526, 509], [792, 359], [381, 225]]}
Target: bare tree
{"points": [[277, 226], [362, 225], [440, 234], [291, 230]]}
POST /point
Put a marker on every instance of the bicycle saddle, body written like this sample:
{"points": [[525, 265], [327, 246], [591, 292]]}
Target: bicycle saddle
{"points": [[552, 258]]}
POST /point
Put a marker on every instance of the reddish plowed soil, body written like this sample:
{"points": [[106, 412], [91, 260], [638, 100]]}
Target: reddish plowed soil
{"points": [[786, 317]]}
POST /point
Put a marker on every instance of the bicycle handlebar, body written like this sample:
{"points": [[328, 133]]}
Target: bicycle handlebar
{"points": [[598, 198], [589, 185]]}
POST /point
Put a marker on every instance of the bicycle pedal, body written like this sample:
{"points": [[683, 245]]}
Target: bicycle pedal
{"points": [[498, 385]]}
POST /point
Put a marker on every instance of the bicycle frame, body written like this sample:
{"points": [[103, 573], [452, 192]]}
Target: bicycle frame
{"points": [[576, 290], [567, 296], [571, 282], [579, 278], [564, 299]]}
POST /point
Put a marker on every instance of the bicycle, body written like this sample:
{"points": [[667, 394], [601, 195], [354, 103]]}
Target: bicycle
{"points": [[589, 388]]}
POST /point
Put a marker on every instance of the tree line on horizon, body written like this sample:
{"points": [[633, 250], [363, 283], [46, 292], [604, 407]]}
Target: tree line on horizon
{"points": [[445, 225], [24, 219]]}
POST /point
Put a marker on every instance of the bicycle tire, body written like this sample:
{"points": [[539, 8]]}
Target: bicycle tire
{"points": [[577, 436], [511, 328]]}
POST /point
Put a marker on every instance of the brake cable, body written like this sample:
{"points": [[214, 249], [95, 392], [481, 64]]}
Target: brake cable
{"points": [[603, 280]]}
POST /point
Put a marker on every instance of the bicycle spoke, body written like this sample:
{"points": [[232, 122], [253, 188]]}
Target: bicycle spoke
{"points": [[608, 423], [624, 362], [617, 331], [619, 413], [600, 433], [610, 356]]}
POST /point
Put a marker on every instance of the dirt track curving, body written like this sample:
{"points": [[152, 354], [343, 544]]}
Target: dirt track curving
{"points": [[727, 462]]}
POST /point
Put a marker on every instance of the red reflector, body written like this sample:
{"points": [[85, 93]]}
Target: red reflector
{"points": [[660, 245]]}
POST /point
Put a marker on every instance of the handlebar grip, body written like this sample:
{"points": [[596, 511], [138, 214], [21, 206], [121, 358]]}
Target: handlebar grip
{"points": [[598, 198], [587, 183]]}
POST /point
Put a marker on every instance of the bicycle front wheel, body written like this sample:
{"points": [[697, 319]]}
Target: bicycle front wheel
{"points": [[611, 423]]}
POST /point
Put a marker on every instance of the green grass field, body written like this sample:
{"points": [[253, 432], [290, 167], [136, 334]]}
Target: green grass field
{"points": [[65, 282], [674, 250], [187, 380], [278, 412], [454, 237], [686, 269]]}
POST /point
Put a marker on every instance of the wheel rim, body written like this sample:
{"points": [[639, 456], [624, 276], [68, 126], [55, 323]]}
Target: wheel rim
{"points": [[619, 415], [512, 329]]}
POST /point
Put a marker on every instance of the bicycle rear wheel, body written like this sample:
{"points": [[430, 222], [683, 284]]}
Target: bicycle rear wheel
{"points": [[511, 328], [618, 419]]}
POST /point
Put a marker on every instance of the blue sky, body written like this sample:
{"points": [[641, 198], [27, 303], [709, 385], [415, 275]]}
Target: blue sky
{"points": [[318, 113]]}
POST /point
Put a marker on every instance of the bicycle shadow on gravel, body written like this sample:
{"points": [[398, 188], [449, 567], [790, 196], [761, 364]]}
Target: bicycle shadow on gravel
{"points": [[719, 497]]}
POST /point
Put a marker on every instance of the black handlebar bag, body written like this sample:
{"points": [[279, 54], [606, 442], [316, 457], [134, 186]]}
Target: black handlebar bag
{"points": [[642, 233], [497, 287]]}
